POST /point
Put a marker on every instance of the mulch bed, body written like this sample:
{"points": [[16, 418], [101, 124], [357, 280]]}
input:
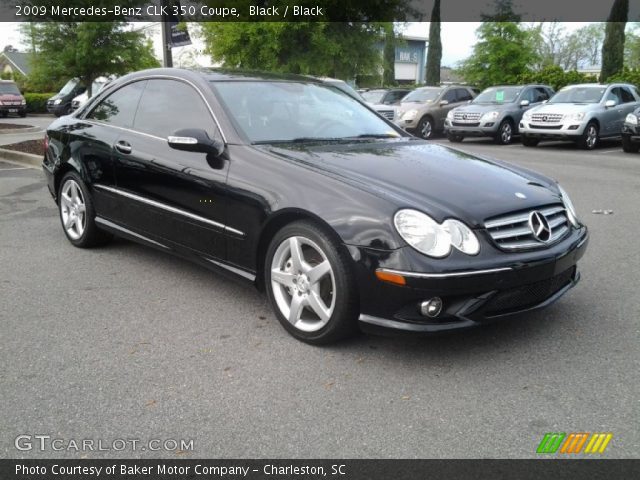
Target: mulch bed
{"points": [[30, 146], [12, 126]]}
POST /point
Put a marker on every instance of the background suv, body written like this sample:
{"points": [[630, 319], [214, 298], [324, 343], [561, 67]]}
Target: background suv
{"points": [[631, 132], [496, 112], [424, 110], [11, 100], [383, 100], [582, 113]]}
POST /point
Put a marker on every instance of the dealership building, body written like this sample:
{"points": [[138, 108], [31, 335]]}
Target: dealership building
{"points": [[411, 60]]}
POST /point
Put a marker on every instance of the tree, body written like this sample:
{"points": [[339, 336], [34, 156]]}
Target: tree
{"points": [[632, 48], [86, 50], [503, 51], [335, 49], [613, 45], [434, 50], [389, 56]]}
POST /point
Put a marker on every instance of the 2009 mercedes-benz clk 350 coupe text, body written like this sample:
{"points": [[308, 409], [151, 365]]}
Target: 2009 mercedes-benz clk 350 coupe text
{"points": [[344, 219]]}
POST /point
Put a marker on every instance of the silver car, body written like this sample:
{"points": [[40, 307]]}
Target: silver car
{"points": [[495, 113], [582, 113]]}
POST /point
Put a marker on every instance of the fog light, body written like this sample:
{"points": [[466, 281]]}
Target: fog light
{"points": [[431, 308]]}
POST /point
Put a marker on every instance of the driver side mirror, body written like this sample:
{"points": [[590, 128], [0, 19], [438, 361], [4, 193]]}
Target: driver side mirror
{"points": [[444, 102], [524, 103], [195, 140], [610, 103]]}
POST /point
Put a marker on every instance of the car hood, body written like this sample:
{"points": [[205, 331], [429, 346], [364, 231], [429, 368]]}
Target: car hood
{"points": [[563, 108], [483, 108], [442, 181], [404, 106]]}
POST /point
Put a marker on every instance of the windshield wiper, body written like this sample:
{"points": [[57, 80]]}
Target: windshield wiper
{"points": [[373, 135], [299, 140]]}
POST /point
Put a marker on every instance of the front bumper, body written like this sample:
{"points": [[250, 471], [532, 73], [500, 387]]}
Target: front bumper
{"points": [[472, 129], [471, 297], [632, 132], [57, 110], [564, 130], [17, 109]]}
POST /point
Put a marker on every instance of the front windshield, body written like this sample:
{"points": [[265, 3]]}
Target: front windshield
{"points": [[279, 111], [422, 95], [498, 95], [9, 89], [591, 94], [68, 88], [373, 96]]}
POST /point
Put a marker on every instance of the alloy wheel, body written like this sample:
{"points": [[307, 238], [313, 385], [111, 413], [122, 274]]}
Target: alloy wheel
{"points": [[592, 136], [73, 209], [427, 129], [505, 133], [303, 283]]}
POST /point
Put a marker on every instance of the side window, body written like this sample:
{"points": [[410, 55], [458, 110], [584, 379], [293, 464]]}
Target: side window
{"points": [[542, 94], [450, 96], [614, 94], [463, 95], [170, 105], [626, 95], [529, 94], [119, 108]]}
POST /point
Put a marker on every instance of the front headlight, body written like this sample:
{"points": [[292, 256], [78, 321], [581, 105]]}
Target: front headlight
{"points": [[57, 101], [24, 102], [489, 116], [526, 116], [450, 115], [433, 239], [574, 116], [572, 215], [409, 114], [631, 119]]}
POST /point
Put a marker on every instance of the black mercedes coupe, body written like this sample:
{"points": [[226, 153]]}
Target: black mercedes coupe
{"points": [[344, 219]]}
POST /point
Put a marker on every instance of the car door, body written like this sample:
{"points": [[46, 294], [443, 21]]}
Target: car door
{"points": [[450, 96], [92, 140], [176, 196], [628, 105], [612, 118]]}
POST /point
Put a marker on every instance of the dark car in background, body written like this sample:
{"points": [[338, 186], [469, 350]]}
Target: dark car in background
{"points": [[345, 223], [631, 132], [423, 111], [495, 113], [60, 103], [384, 101], [11, 99]]}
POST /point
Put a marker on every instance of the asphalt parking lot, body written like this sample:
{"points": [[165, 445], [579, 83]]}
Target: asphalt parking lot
{"points": [[124, 342]]}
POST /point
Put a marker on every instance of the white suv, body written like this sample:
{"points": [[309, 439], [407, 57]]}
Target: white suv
{"points": [[581, 113]]}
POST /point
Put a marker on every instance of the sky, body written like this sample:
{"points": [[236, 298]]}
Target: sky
{"points": [[458, 39]]}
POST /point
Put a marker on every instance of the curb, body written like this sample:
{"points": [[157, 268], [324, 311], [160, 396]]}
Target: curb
{"points": [[11, 131], [20, 157]]}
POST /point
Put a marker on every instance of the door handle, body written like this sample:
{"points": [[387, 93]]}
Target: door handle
{"points": [[123, 147]]}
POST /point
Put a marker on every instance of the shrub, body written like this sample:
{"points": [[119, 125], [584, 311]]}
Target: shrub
{"points": [[37, 102], [556, 77], [628, 75]]}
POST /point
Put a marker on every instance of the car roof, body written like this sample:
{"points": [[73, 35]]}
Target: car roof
{"points": [[222, 74], [605, 85]]}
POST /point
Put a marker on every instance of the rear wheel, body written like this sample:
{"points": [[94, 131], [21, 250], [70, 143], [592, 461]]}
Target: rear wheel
{"points": [[455, 137], [505, 133], [426, 128], [77, 213], [629, 146], [529, 142], [590, 137], [310, 284]]}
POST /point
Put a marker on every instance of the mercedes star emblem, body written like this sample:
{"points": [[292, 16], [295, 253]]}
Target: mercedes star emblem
{"points": [[539, 227]]}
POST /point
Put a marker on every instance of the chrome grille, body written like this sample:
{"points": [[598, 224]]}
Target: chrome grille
{"points": [[512, 232], [388, 114], [466, 117], [546, 117]]}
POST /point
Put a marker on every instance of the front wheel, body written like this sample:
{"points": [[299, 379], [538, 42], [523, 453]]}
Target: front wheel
{"points": [[77, 213], [590, 137], [629, 146], [310, 284], [426, 128], [529, 142], [505, 133]]}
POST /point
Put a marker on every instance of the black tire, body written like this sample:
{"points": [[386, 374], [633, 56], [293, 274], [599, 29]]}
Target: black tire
{"points": [[455, 137], [91, 235], [23, 114], [587, 140], [426, 128], [629, 146], [342, 323], [529, 141], [4, 114], [504, 135]]}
